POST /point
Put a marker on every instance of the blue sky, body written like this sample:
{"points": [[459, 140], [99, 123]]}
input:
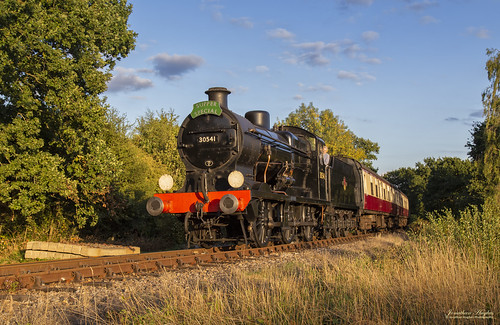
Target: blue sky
{"points": [[406, 74]]}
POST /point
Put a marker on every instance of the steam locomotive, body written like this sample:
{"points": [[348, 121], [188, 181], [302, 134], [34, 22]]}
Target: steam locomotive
{"points": [[248, 183]]}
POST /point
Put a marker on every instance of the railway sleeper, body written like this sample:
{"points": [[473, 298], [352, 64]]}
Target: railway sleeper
{"points": [[106, 270]]}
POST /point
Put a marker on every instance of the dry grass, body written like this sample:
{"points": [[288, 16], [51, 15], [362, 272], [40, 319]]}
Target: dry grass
{"points": [[385, 280]]}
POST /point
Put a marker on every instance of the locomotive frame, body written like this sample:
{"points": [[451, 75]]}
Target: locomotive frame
{"points": [[248, 183]]}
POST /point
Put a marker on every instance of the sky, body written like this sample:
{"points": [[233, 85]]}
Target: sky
{"points": [[407, 74]]}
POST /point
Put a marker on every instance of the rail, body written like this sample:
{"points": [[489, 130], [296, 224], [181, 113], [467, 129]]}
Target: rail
{"points": [[36, 275]]}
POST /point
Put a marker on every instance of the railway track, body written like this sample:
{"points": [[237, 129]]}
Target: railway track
{"points": [[36, 275]]}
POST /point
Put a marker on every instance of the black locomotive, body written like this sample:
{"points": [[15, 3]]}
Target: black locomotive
{"points": [[246, 183]]}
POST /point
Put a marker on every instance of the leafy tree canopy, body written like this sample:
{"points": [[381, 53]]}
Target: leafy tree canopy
{"points": [[436, 184], [339, 139], [55, 59], [491, 103], [477, 142], [156, 134]]}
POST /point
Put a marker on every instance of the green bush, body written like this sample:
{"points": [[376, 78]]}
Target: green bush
{"points": [[473, 230]]}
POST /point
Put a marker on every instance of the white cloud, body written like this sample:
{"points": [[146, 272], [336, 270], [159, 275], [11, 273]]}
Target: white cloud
{"points": [[313, 53], [174, 66], [298, 97], [368, 77], [347, 3], [280, 33], [317, 87], [370, 36], [352, 50], [321, 53], [365, 59], [347, 75], [261, 69], [318, 46], [475, 115], [290, 58], [479, 32], [421, 5], [354, 76], [313, 59], [146, 45], [244, 22], [213, 7], [127, 80], [426, 20]]}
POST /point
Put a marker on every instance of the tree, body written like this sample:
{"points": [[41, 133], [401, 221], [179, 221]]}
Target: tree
{"points": [[28, 175], [477, 142], [156, 134], [437, 184], [491, 103], [55, 59], [371, 150], [477, 147], [339, 139], [448, 185], [412, 182], [155, 140]]}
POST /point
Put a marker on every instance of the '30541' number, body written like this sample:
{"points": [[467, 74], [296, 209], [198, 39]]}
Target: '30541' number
{"points": [[207, 139]]}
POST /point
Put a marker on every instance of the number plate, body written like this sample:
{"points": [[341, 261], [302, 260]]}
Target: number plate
{"points": [[208, 139]]}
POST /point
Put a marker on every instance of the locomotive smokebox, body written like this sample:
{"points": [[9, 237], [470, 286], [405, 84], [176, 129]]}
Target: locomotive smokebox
{"points": [[259, 118], [218, 94]]}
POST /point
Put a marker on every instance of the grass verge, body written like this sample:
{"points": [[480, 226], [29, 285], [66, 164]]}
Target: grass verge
{"points": [[385, 280], [448, 273]]}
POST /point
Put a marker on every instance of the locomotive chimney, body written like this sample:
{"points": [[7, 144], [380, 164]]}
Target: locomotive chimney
{"points": [[218, 94]]}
